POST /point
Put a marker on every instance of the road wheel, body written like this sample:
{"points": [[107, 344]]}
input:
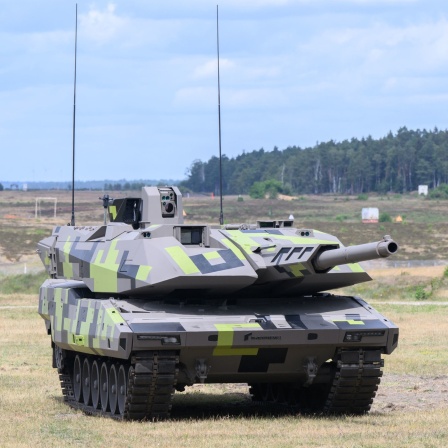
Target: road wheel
{"points": [[95, 385], [77, 379], [86, 389], [113, 389], [104, 387], [122, 388]]}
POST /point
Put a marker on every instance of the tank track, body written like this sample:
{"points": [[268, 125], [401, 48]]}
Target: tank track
{"points": [[150, 385], [355, 383], [351, 390]]}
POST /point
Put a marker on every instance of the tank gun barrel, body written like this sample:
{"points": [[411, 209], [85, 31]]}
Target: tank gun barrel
{"points": [[354, 254]]}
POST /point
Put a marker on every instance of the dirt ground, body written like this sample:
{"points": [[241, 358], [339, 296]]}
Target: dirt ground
{"points": [[405, 393], [423, 235], [411, 392]]}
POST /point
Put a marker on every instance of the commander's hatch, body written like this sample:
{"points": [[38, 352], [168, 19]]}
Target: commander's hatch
{"points": [[126, 210]]}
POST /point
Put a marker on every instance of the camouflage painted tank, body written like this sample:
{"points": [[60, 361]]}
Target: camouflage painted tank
{"points": [[147, 305]]}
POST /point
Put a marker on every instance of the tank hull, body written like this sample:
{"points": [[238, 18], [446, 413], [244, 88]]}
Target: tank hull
{"points": [[274, 344]]}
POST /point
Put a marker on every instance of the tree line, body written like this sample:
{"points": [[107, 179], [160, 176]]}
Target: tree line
{"points": [[118, 186], [397, 163]]}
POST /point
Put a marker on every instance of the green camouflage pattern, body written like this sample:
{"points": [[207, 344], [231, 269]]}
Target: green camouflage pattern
{"points": [[76, 322], [238, 342], [168, 304], [160, 257]]}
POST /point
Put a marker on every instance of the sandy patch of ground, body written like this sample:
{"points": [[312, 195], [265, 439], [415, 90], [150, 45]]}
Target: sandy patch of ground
{"points": [[411, 393], [421, 271], [402, 393]]}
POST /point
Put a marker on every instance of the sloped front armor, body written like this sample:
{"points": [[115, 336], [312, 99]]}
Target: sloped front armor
{"points": [[148, 304]]}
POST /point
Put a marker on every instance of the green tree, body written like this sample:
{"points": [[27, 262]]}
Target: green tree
{"points": [[441, 192], [397, 162], [270, 188], [1, 187], [196, 176], [273, 188], [257, 191]]}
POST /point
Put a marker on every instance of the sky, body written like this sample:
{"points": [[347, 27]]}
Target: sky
{"points": [[292, 73]]}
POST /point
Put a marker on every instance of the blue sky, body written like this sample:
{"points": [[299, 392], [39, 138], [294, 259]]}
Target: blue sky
{"points": [[292, 73]]}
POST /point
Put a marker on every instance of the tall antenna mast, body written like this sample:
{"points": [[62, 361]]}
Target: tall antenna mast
{"points": [[72, 222], [221, 215]]}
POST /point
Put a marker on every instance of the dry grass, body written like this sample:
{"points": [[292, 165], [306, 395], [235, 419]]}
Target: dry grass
{"points": [[422, 344], [33, 413], [422, 235], [424, 272], [18, 300], [403, 284]]}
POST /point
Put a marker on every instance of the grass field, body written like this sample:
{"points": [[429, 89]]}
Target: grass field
{"points": [[423, 234], [411, 408]]}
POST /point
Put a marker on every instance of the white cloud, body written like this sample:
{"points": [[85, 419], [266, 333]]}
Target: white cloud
{"points": [[382, 50], [102, 26], [271, 71], [210, 68], [376, 2], [293, 71], [15, 45], [243, 70], [260, 3], [206, 97], [256, 97], [197, 97]]}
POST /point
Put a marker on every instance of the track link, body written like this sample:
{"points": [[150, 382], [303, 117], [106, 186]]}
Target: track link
{"points": [[150, 387], [66, 386], [152, 379], [355, 383], [351, 389]]}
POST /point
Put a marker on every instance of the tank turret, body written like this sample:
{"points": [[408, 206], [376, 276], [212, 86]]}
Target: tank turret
{"points": [[146, 304], [147, 249]]}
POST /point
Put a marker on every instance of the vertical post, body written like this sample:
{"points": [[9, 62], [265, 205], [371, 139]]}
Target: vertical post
{"points": [[72, 221], [221, 215]]}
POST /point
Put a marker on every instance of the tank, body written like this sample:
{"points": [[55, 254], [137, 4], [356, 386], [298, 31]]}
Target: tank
{"points": [[146, 304]]}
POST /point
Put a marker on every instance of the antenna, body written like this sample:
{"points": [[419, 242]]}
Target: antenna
{"points": [[72, 222], [221, 215]]}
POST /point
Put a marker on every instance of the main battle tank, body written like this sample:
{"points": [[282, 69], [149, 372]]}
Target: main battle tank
{"points": [[146, 305]]}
